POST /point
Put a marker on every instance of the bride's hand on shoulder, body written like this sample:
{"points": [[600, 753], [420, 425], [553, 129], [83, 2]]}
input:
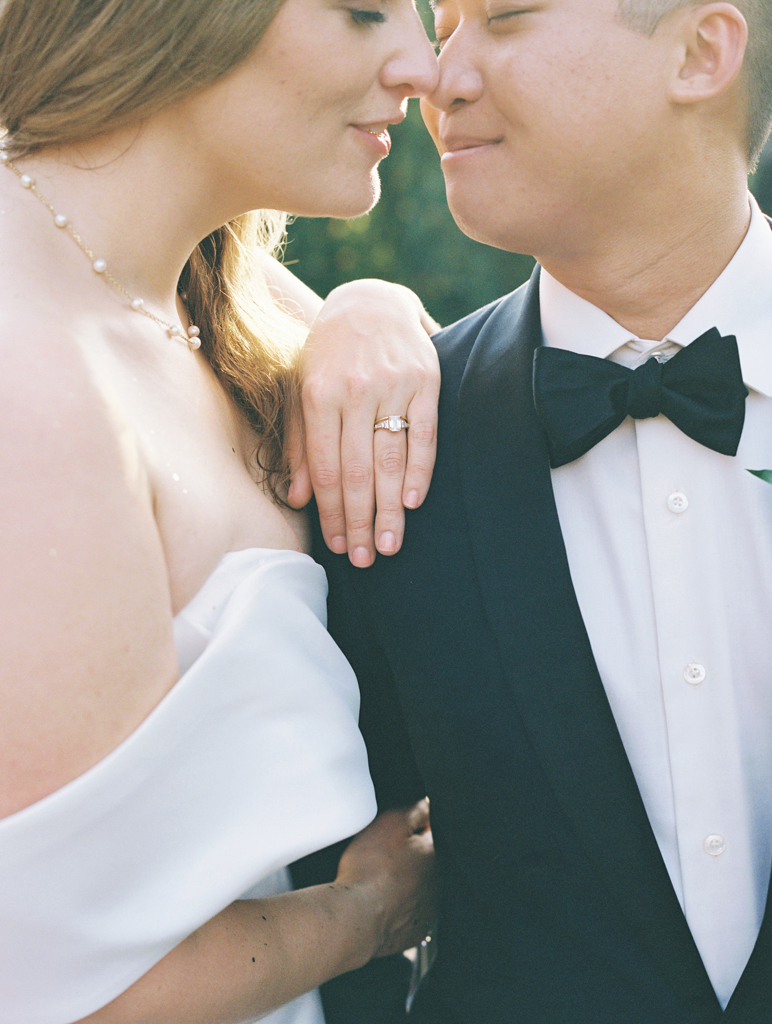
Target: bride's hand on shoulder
{"points": [[391, 863], [368, 356]]}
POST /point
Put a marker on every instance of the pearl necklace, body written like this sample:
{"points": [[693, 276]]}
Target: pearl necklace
{"points": [[98, 265]]}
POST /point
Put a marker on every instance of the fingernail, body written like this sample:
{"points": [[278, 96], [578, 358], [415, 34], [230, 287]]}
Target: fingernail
{"points": [[387, 543], [360, 557], [411, 500], [338, 545]]}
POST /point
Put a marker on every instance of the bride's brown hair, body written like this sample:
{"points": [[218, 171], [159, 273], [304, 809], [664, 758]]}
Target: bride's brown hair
{"points": [[71, 70]]}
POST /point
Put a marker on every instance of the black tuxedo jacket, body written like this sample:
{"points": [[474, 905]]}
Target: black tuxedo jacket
{"points": [[479, 688]]}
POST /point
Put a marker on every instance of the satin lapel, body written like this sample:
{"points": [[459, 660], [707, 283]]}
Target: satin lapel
{"points": [[531, 605]]}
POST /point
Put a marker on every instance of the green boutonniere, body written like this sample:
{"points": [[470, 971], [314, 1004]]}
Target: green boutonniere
{"points": [[762, 474]]}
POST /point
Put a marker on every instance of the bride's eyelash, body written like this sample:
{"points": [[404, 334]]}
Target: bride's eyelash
{"points": [[365, 17]]}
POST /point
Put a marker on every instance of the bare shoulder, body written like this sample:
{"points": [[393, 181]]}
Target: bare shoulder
{"points": [[47, 387], [62, 436], [84, 605]]}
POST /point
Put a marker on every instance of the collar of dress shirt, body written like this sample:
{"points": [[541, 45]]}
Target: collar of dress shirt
{"points": [[738, 302]]}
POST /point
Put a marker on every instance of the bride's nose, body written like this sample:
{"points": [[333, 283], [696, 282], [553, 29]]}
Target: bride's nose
{"points": [[413, 67]]}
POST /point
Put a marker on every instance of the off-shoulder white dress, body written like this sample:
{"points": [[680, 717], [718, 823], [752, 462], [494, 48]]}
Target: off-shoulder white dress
{"points": [[252, 760]]}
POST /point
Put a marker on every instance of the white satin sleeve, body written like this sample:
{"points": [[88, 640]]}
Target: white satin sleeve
{"points": [[253, 760]]}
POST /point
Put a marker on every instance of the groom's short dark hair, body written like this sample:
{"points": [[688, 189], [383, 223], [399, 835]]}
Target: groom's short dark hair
{"points": [[645, 15]]}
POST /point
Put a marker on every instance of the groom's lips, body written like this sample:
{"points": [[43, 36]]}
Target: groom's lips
{"points": [[453, 145]]}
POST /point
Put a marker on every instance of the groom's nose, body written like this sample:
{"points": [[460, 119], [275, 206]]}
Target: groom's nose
{"points": [[461, 76]]}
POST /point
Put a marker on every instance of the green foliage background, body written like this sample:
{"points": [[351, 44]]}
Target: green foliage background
{"points": [[411, 238]]}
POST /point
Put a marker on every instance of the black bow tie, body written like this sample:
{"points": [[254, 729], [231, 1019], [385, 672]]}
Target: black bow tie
{"points": [[580, 399]]}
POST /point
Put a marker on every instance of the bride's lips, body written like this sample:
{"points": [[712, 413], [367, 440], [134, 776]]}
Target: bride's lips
{"points": [[376, 134]]}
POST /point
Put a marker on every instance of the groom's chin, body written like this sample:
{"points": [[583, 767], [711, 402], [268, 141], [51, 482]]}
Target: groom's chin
{"points": [[493, 221], [479, 223]]}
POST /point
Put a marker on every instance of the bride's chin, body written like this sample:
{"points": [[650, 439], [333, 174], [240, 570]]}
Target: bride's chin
{"points": [[350, 199], [358, 206]]}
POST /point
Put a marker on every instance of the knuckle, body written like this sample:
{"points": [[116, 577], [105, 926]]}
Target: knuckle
{"points": [[334, 522], [389, 513], [423, 433], [357, 474], [356, 524], [358, 386], [325, 477], [421, 375], [315, 393], [391, 376], [419, 472], [390, 462]]}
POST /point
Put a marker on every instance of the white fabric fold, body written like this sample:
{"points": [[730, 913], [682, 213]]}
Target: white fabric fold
{"points": [[252, 760]]}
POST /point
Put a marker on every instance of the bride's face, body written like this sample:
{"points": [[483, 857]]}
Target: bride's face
{"points": [[301, 125]]}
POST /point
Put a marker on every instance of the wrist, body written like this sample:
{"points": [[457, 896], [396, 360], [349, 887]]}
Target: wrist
{"points": [[365, 917]]}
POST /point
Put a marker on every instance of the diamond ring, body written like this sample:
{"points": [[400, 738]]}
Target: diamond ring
{"points": [[392, 423]]}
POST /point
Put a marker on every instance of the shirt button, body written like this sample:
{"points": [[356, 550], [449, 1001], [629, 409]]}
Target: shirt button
{"points": [[694, 673], [677, 502], [714, 845]]}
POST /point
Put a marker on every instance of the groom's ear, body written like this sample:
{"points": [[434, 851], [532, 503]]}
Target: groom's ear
{"points": [[711, 42]]}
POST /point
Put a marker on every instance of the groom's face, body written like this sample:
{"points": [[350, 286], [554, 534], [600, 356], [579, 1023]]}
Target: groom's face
{"points": [[549, 114]]}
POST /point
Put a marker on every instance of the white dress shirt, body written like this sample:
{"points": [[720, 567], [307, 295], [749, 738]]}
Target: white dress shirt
{"points": [[670, 550]]}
